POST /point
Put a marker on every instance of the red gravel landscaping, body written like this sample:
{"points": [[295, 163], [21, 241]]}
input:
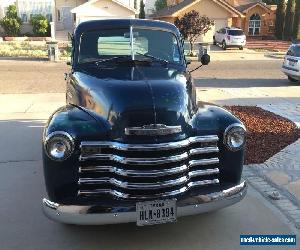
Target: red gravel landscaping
{"points": [[267, 133]]}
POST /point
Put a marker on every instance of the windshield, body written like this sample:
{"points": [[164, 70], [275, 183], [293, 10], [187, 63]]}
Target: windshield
{"points": [[147, 44], [235, 32], [294, 51]]}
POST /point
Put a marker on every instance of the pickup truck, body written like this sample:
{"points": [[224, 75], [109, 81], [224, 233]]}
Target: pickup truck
{"points": [[132, 144]]}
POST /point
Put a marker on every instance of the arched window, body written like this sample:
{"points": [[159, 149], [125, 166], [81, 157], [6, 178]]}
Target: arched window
{"points": [[254, 25]]}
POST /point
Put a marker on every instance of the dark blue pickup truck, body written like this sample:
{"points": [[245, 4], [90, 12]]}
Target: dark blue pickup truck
{"points": [[131, 144]]}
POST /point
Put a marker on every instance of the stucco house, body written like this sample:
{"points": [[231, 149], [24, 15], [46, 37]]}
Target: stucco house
{"points": [[253, 16], [69, 13], [26, 9]]}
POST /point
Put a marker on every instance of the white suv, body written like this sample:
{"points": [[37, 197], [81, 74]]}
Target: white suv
{"points": [[291, 63], [230, 37]]}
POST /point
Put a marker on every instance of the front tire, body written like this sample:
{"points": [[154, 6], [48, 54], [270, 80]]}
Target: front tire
{"points": [[291, 79], [224, 46], [241, 48]]}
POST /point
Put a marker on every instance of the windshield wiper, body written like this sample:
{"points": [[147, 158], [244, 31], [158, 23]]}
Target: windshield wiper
{"points": [[111, 59], [154, 57]]}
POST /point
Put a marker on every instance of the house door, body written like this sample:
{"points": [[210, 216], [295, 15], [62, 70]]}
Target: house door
{"points": [[254, 25], [67, 18]]}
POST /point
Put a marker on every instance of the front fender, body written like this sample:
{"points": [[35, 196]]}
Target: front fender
{"points": [[213, 120], [61, 177]]}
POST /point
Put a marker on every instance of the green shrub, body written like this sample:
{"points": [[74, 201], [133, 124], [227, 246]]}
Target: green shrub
{"points": [[11, 23], [40, 25]]}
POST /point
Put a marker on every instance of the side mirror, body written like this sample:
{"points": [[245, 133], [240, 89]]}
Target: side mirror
{"points": [[205, 59]]}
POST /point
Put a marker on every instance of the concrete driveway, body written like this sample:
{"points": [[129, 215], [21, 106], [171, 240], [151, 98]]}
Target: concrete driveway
{"points": [[23, 226]]}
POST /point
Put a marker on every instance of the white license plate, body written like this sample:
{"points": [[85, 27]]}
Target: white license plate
{"points": [[292, 63], [156, 212]]}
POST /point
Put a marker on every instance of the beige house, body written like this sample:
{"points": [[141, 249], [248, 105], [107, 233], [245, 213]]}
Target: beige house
{"points": [[253, 16], [69, 13], [102, 9]]}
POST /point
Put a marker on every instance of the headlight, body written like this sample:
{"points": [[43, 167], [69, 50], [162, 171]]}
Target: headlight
{"points": [[235, 137], [59, 145]]}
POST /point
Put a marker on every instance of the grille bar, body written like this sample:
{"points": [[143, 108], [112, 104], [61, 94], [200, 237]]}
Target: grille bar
{"points": [[118, 194], [149, 147], [147, 186], [138, 161], [134, 173]]}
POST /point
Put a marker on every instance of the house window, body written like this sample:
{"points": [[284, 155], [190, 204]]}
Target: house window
{"points": [[58, 16], [254, 25], [49, 17], [24, 18], [32, 15]]}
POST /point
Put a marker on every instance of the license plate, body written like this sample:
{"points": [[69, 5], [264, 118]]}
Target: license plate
{"points": [[292, 63], [156, 212]]}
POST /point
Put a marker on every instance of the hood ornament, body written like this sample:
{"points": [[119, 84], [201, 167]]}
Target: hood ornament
{"points": [[153, 130]]}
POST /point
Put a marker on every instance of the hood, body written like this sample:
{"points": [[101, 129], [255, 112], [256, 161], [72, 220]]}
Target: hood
{"points": [[136, 96]]}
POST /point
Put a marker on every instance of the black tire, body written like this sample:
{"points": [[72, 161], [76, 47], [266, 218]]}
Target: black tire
{"points": [[224, 46], [214, 41], [291, 79], [241, 48]]}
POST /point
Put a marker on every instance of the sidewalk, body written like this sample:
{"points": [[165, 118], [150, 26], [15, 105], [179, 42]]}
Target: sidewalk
{"points": [[29, 106]]}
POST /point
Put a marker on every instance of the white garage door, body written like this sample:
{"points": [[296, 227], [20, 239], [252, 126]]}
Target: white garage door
{"points": [[208, 37]]}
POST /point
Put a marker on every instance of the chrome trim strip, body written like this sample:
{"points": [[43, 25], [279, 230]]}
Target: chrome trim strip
{"points": [[153, 130], [96, 215], [134, 173], [122, 195], [203, 162], [151, 147], [137, 161], [204, 172], [206, 150]]}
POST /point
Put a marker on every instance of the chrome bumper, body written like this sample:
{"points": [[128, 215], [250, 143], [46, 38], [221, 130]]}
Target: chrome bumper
{"points": [[92, 215]]}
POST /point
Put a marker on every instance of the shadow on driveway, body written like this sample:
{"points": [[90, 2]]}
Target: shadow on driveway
{"points": [[243, 83]]}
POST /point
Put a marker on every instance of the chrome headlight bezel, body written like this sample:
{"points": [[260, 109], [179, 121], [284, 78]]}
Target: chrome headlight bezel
{"points": [[232, 130], [65, 140]]}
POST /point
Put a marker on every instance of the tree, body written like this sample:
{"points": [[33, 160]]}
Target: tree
{"points": [[280, 14], [11, 23], [39, 24], [296, 26], [289, 20], [160, 4], [142, 10], [192, 25]]}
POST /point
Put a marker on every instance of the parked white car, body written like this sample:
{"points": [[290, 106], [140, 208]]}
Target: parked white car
{"points": [[230, 37], [291, 63]]}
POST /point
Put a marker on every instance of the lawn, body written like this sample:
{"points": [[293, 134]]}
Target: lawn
{"points": [[30, 49]]}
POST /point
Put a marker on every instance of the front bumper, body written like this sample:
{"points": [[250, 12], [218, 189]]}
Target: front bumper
{"points": [[289, 71], [235, 44], [97, 215]]}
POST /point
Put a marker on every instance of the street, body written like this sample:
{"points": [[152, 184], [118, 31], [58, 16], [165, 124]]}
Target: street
{"points": [[24, 108]]}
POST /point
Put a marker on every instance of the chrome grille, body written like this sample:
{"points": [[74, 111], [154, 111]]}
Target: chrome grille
{"points": [[146, 171]]}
